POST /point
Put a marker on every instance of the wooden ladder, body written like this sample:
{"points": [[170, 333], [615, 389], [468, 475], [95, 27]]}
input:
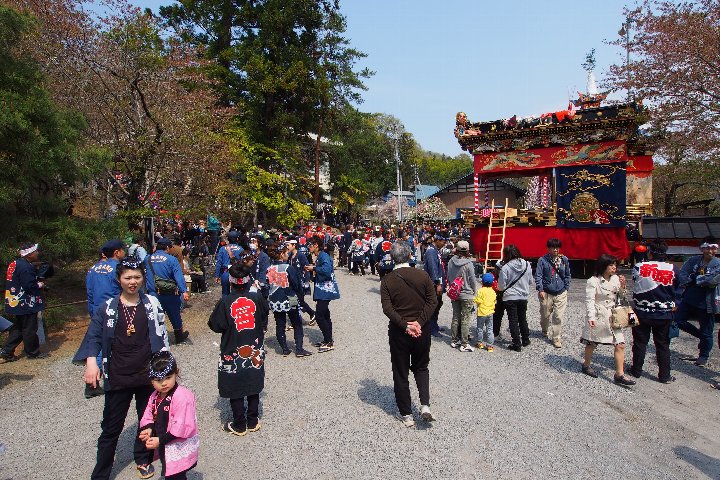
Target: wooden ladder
{"points": [[496, 236]]}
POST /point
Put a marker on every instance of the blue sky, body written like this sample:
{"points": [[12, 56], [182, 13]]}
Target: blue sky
{"points": [[490, 59]]}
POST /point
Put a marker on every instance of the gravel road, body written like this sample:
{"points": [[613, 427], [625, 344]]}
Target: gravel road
{"points": [[332, 415]]}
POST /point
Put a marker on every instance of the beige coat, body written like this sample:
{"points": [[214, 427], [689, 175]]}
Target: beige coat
{"points": [[600, 297]]}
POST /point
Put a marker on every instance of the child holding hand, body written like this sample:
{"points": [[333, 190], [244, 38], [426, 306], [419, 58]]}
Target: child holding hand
{"points": [[485, 301], [169, 425]]}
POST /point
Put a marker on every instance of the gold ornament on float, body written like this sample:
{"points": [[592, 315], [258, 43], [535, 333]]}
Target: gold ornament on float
{"points": [[583, 205]]}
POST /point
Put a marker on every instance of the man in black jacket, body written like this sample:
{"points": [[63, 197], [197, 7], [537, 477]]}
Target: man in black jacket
{"points": [[409, 300], [23, 300]]}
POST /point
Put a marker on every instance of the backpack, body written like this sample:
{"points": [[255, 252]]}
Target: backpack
{"points": [[453, 291]]}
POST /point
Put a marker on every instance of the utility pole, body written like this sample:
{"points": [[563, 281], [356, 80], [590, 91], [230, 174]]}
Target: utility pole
{"points": [[399, 177]]}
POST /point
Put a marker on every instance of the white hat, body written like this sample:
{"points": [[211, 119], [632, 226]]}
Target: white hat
{"points": [[462, 246]]}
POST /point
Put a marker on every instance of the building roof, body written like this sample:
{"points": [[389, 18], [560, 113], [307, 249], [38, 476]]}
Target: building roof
{"points": [[469, 180], [680, 228], [561, 128], [425, 191]]}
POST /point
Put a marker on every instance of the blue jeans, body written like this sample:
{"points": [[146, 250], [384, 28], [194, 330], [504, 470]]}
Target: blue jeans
{"points": [[485, 330], [706, 323]]}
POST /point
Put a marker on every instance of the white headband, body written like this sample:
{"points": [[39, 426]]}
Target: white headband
{"points": [[709, 245], [29, 250]]}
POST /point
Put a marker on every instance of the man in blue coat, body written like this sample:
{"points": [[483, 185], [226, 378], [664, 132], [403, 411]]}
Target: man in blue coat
{"points": [[552, 280], [700, 276], [224, 260], [436, 269], [326, 290], [23, 300], [299, 260], [166, 268], [101, 285]]}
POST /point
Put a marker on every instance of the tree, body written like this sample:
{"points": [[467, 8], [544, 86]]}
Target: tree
{"points": [[285, 63], [433, 209], [150, 126], [39, 155], [675, 67]]}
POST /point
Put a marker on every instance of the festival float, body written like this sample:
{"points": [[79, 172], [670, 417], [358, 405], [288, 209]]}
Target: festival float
{"points": [[590, 168]]}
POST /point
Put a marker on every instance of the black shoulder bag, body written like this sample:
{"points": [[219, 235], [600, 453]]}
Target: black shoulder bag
{"points": [[163, 286], [517, 279]]}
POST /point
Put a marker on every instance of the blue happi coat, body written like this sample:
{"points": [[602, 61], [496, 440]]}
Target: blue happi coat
{"points": [[101, 284], [101, 331], [326, 287]]}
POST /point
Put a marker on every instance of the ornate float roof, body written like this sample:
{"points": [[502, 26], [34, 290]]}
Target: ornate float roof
{"points": [[561, 128]]}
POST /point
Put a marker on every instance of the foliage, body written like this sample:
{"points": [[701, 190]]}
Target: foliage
{"points": [[441, 170], [251, 186], [388, 211], [62, 238], [674, 56], [285, 63], [679, 184], [150, 124], [39, 155], [432, 209]]}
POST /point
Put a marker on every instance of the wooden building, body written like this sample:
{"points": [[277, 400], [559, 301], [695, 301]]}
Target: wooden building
{"points": [[459, 196]]}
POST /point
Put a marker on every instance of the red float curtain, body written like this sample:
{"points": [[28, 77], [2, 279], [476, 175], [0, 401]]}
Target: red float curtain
{"points": [[577, 243]]}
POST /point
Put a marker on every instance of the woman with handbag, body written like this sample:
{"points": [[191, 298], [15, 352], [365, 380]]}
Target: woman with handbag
{"points": [[601, 294]]}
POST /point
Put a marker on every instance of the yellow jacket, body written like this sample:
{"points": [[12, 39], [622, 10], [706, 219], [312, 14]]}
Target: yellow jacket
{"points": [[485, 300]]}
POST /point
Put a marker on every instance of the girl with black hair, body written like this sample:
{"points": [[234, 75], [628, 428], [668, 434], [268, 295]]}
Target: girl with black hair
{"points": [[169, 424]]}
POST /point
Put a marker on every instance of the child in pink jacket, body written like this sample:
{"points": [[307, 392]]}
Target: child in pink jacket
{"points": [[169, 425]]}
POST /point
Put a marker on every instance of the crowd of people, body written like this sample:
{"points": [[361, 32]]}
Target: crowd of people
{"points": [[133, 288]]}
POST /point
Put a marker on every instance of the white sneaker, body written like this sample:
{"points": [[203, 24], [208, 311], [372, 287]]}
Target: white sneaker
{"points": [[455, 344], [466, 348], [426, 414], [407, 420]]}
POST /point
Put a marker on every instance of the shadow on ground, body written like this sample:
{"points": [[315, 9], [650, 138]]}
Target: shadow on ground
{"points": [[710, 466], [381, 396], [8, 378]]}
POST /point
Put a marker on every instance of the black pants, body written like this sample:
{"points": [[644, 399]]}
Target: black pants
{"points": [[499, 312], [382, 272], [517, 316], [177, 476], [24, 329], [322, 316], [305, 307], [295, 321], [242, 418], [214, 241], [343, 257], [198, 282], [407, 353], [434, 326], [117, 404], [641, 336], [358, 264]]}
